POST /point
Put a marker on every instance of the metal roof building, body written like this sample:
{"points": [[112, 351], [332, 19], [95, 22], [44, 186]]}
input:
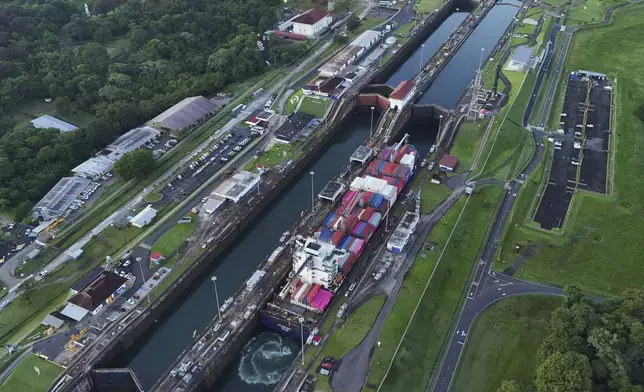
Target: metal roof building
{"points": [[184, 114], [47, 121], [94, 167], [144, 217], [59, 198], [367, 39], [131, 140], [237, 186]]}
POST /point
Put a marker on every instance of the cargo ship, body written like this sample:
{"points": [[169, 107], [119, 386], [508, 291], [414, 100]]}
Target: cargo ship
{"points": [[322, 260]]}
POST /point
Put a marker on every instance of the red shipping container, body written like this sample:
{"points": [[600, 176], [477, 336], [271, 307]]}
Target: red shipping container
{"points": [[312, 293], [351, 260], [337, 236], [367, 213]]}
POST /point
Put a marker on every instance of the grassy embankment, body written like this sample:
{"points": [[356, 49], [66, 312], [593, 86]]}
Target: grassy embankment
{"points": [[467, 141], [503, 343], [173, 239], [444, 275], [33, 374], [347, 336], [599, 251]]}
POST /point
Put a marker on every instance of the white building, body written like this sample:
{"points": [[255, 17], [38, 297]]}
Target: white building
{"points": [[144, 217], [311, 23], [317, 262], [237, 186], [402, 94]]}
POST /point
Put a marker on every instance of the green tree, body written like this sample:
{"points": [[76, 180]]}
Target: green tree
{"points": [[63, 105], [564, 372], [574, 295], [137, 163], [510, 386], [353, 23]]}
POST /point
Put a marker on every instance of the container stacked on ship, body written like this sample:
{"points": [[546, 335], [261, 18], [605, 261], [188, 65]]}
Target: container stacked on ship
{"points": [[322, 261]]}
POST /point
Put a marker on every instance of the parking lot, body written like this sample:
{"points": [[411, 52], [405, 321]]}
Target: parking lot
{"points": [[580, 158], [563, 172], [594, 162], [208, 163], [13, 236]]}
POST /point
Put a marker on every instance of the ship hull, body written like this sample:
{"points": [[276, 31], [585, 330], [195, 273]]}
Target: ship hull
{"points": [[283, 327]]}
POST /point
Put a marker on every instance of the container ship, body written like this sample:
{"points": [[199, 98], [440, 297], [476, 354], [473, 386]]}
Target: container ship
{"points": [[322, 260]]}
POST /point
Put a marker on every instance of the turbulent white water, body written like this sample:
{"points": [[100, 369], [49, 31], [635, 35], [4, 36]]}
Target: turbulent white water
{"points": [[265, 358]]}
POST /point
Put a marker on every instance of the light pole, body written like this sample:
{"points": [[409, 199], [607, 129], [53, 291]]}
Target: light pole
{"points": [[454, 22], [481, 59], [312, 173], [214, 280], [371, 127], [147, 293], [440, 125], [422, 53], [302, 336]]}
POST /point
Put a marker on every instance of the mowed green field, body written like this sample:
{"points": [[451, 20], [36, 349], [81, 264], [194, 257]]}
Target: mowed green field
{"points": [[468, 139], [25, 377], [415, 361], [316, 107], [504, 342], [600, 250]]}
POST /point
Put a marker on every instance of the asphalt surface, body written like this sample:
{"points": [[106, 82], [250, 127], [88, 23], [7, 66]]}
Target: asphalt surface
{"points": [[353, 369], [543, 71], [550, 97]]}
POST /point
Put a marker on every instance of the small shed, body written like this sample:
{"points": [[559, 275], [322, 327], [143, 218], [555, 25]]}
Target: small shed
{"points": [[448, 163]]}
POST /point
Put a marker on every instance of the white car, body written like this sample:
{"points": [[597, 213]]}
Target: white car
{"points": [[4, 303], [43, 273]]}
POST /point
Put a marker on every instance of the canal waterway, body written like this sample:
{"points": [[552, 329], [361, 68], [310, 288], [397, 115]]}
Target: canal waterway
{"points": [[448, 87], [267, 355]]}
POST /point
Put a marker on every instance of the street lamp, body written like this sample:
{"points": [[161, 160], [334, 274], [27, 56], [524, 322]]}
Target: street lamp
{"points": [[214, 280], [302, 336], [371, 127], [422, 52], [454, 21], [440, 125], [312, 173], [147, 293]]}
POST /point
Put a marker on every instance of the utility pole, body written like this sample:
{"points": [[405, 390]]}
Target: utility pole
{"points": [[422, 53], [147, 293], [371, 128], [302, 336], [312, 173], [214, 280]]}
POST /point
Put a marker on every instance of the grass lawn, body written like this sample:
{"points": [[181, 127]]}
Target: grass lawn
{"points": [[174, 237], [427, 6], [584, 12], [316, 107], [504, 342], [278, 154], [467, 142], [25, 377], [599, 250], [525, 28], [293, 100], [25, 313], [415, 362], [153, 197], [365, 24], [431, 195], [349, 335], [504, 147]]}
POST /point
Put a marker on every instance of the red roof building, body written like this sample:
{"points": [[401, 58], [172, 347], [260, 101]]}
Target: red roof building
{"points": [[448, 163], [156, 257], [310, 17], [401, 94]]}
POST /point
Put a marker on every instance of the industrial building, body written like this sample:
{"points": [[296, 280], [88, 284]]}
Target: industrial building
{"points": [[403, 232], [237, 186], [402, 94], [448, 163], [105, 160], [324, 87], [184, 114], [350, 53], [293, 127], [307, 25], [88, 278], [47, 121], [212, 204], [59, 198], [95, 295], [144, 217], [521, 59]]}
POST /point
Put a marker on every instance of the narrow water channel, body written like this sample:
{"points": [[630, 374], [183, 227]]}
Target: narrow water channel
{"points": [[448, 87], [266, 355]]}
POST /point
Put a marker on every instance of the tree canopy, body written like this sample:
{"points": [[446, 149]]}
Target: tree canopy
{"points": [[171, 49], [136, 163], [592, 346]]}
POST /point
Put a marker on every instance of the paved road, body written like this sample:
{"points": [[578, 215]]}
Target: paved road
{"points": [[353, 368], [550, 97], [543, 71]]}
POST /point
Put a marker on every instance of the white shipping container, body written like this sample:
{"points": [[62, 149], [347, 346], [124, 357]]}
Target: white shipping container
{"points": [[357, 184], [408, 160]]}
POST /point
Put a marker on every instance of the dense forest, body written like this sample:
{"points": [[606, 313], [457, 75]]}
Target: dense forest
{"points": [[591, 346], [51, 49]]}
